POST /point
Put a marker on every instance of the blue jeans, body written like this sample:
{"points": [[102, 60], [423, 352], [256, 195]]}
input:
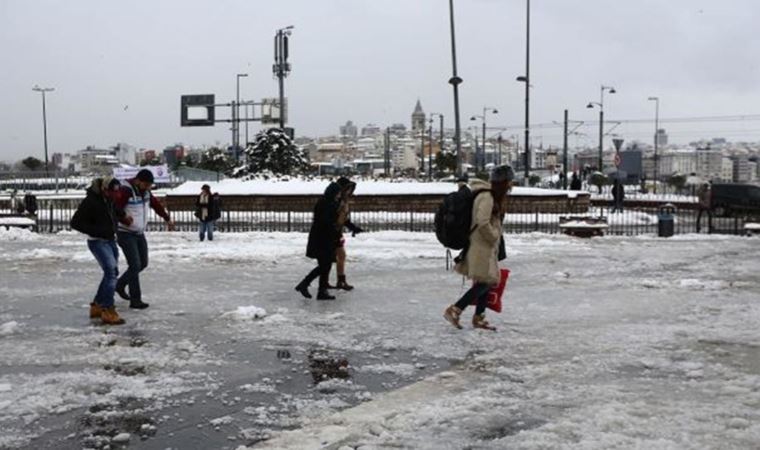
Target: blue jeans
{"points": [[206, 227], [479, 291], [107, 255], [135, 249]]}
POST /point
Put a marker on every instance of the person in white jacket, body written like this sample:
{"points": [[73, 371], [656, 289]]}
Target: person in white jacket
{"points": [[480, 262]]}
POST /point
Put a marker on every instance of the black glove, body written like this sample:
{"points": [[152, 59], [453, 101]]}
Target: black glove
{"points": [[356, 230]]}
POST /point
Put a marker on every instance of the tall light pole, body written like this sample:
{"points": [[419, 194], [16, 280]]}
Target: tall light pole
{"points": [[486, 110], [281, 66], [44, 122], [455, 81], [440, 139], [656, 101], [237, 112], [526, 79], [600, 104]]}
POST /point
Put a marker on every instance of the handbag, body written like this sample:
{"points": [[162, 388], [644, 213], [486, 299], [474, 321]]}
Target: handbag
{"points": [[497, 292]]}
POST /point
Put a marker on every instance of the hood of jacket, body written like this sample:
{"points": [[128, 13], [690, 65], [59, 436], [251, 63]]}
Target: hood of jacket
{"points": [[332, 191], [99, 184], [479, 185]]}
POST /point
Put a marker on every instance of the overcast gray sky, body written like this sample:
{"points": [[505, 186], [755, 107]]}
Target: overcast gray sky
{"points": [[119, 68]]}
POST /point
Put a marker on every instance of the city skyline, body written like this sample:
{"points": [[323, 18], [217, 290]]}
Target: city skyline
{"points": [[118, 72]]}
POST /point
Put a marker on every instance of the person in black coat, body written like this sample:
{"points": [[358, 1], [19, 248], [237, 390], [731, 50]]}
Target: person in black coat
{"points": [[207, 210], [618, 195], [575, 182], [97, 217], [323, 238]]}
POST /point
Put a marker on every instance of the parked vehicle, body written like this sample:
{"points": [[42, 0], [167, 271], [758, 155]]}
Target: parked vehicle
{"points": [[729, 200]]}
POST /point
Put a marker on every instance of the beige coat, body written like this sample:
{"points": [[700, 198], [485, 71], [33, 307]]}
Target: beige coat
{"points": [[480, 263]]}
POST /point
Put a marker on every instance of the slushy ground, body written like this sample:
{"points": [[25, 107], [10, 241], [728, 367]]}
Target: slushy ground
{"points": [[604, 343]]}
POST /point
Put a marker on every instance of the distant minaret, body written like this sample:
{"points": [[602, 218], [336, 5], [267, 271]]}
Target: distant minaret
{"points": [[418, 117]]}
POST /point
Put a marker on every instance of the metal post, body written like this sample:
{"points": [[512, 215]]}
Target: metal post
{"points": [[656, 138], [281, 67], [44, 123], [442, 137], [499, 141], [455, 81], [387, 152], [430, 151], [422, 148], [527, 94], [483, 150], [601, 137], [564, 155], [234, 133]]}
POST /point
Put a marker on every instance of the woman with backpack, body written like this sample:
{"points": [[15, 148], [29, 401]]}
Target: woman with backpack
{"points": [[480, 261]]}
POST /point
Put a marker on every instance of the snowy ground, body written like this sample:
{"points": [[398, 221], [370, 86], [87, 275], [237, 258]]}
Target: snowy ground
{"points": [[604, 343]]}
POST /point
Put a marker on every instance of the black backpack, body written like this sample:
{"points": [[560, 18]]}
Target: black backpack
{"points": [[453, 220]]}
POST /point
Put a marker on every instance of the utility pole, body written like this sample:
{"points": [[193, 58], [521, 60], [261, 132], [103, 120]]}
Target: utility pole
{"points": [[44, 123], [499, 141], [564, 155], [281, 66], [430, 151], [387, 152], [236, 123], [656, 136], [455, 81]]}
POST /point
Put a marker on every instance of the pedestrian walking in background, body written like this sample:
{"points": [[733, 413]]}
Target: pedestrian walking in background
{"points": [[96, 217], [207, 210], [704, 196], [575, 182], [618, 196], [133, 203], [347, 188], [323, 239], [480, 261]]}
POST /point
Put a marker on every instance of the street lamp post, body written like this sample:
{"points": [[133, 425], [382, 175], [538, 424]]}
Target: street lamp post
{"points": [[526, 79], [656, 137], [440, 139], [499, 141], [483, 141], [455, 81], [236, 123], [44, 122], [600, 104], [281, 66]]}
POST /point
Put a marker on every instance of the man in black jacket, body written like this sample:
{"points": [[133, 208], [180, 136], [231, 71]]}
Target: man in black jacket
{"points": [[323, 240], [96, 217]]}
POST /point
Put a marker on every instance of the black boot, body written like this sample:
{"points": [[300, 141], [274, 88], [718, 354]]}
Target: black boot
{"points": [[123, 293], [324, 295], [303, 289], [138, 304], [342, 283]]}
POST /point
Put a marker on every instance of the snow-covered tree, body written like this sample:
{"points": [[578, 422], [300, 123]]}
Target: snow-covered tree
{"points": [[216, 160], [272, 152]]}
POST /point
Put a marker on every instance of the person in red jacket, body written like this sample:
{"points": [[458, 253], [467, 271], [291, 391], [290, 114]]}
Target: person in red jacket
{"points": [[133, 202]]}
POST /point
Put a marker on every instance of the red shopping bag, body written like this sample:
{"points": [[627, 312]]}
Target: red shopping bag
{"points": [[496, 292]]}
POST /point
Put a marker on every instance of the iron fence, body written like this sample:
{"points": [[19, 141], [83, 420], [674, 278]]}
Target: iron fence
{"points": [[54, 216]]}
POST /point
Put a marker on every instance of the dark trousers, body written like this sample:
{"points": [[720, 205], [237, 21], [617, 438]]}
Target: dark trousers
{"points": [[709, 219], [478, 291], [135, 249], [322, 271]]}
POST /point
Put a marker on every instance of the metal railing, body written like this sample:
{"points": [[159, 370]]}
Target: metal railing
{"points": [[54, 216]]}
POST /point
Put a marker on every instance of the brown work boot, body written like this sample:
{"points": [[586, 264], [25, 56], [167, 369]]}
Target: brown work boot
{"points": [[452, 314], [109, 316], [95, 310], [479, 321]]}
